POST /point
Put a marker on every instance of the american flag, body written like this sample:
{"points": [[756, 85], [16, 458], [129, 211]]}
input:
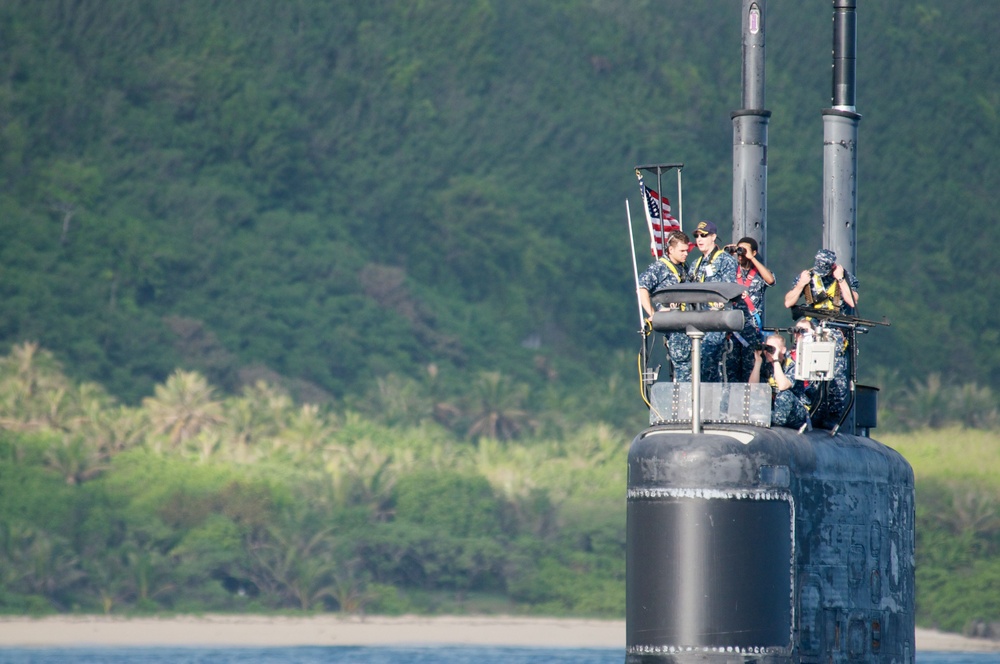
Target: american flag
{"points": [[657, 212]]}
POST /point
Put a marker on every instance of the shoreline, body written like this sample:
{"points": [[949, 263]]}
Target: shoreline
{"points": [[219, 630]]}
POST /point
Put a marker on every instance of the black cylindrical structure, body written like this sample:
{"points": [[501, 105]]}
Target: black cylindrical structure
{"points": [[720, 606], [750, 134], [786, 547], [845, 47], [753, 53]]}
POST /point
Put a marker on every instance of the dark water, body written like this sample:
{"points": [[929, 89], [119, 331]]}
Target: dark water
{"points": [[366, 655], [310, 655]]}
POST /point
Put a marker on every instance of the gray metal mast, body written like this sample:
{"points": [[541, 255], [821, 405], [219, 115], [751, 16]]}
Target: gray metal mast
{"points": [[840, 142], [750, 135], [840, 161]]}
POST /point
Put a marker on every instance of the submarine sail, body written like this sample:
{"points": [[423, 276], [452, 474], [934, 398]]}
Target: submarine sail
{"points": [[748, 542]]}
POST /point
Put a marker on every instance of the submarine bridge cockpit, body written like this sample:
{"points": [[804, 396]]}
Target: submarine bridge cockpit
{"points": [[696, 309]]}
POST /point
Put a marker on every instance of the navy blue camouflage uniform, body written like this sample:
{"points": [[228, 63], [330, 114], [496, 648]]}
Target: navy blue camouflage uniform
{"points": [[657, 277], [822, 293], [740, 350], [828, 399], [717, 267], [819, 287], [788, 407]]}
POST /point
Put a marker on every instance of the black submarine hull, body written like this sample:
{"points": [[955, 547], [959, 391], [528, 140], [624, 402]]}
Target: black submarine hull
{"points": [[750, 544]]}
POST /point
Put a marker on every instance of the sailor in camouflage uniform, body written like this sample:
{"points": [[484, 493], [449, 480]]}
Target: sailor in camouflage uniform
{"points": [[668, 271], [773, 365], [713, 266], [826, 400], [754, 276], [828, 286]]}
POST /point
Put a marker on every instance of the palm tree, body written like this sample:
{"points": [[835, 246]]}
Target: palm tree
{"points": [[106, 574], [76, 459], [349, 588], [974, 509], [78, 405], [32, 387], [402, 400], [28, 373], [241, 426], [594, 445], [295, 561], [38, 563], [976, 407], [306, 430], [928, 404], [205, 445], [258, 414], [362, 474], [491, 459], [183, 406], [148, 572], [498, 408], [116, 429]]}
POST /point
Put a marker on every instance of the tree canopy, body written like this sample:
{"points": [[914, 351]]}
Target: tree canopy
{"points": [[333, 192]]}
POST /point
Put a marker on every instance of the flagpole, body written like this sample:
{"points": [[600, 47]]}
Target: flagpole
{"points": [[644, 352], [635, 267], [680, 199], [663, 214], [660, 169]]}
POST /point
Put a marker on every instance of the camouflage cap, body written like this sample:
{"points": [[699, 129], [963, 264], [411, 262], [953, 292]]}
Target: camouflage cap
{"points": [[825, 260]]}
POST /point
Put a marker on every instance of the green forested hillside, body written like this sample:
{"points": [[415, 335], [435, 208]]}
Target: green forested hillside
{"points": [[329, 194]]}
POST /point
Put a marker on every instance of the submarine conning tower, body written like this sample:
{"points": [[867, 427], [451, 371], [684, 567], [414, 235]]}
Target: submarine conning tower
{"points": [[752, 543]]}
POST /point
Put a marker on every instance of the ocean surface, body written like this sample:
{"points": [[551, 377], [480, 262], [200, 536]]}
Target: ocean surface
{"points": [[366, 655]]}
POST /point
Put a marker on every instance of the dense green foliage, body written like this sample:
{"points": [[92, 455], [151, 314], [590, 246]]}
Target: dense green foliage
{"points": [[191, 502], [330, 192], [958, 526], [195, 502]]}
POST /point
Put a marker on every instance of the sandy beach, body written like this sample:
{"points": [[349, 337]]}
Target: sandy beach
{"points": [[259, 631]]}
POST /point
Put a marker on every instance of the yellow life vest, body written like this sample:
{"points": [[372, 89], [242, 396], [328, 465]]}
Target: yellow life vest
{"points": [[677, 273], [673, 268], [701, 277], [711, 259], [784, 367], [833, 300]]}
